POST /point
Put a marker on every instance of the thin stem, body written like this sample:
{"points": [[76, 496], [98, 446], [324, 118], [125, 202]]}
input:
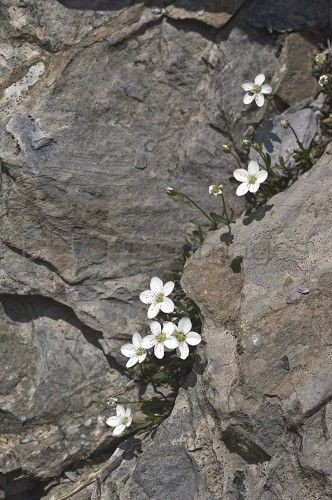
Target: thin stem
{"points": [[234, 156], [228, 221], [270, 99], [297, 138], [262, 155], [197, 206]]}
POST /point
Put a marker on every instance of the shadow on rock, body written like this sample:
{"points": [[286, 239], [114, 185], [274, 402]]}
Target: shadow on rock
{"points": [[257, 215]]}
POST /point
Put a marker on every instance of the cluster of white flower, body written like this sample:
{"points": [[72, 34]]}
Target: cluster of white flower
{"points": [[166, 335]]}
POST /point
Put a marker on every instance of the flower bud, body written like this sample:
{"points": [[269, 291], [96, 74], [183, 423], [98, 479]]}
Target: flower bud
{"points": [[320, 59], [324, 80], [216, 189], [247, 142], [226, 148], [257, 146], [285, 123], [171, 191]]}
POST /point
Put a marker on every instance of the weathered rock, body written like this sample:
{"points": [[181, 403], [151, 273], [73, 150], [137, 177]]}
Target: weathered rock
{"points": [[213, 12], [253, 421], [101, 110]]}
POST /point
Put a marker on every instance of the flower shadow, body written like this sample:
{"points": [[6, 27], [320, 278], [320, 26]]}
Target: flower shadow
{"points": [[257, 215], [131, 448]]}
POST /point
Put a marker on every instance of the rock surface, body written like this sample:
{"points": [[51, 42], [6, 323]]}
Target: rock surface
{"points": [[104, 104], [253, 421]]}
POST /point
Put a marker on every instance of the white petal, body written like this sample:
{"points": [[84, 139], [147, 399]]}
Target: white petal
{"points": [[168, 287], [136, 339], [153, 310], [147, 297], [254, 187], [128, 350], [129, 422], [132, 361], [184, 325], [148, 341], [118, 430], [167, 305], [193, 338], [113, 421], [260, 99], [156, 285], [241, 175], [159, 350], [242, 189], [184, 350], [128, 412], [260, 79], [142, 358], [120, 411], [248, 98], [262, 176], [253, 167], [155, 327], [247, 86], [266, 88], [168, 328], [171, 343]]}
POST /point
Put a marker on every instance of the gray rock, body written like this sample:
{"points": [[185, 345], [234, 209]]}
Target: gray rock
{"points": [[244, 426]]}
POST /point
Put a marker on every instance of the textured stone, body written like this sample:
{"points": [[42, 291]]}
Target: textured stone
{"points": [[249, 425]]}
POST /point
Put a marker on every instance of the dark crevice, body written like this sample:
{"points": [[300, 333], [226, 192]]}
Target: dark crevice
{"points": [[25, 308], [237, 441]]}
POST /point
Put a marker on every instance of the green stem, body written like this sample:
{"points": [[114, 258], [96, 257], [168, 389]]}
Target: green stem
{"points": [[270, 99], [299, 143], [197, 206], [228, 221], [234, 156], [262, 155]]}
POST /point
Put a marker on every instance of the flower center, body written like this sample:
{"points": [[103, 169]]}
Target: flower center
{"points": [[161, 337], [257, 89], [252, 179], [180, 336], [125, 421], [140, 351], [160, 297]]}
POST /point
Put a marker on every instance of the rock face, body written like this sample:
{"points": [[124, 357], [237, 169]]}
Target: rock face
{"points": [[103, 105], [253, 421]]}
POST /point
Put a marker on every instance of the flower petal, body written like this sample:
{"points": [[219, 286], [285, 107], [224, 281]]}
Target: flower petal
{"points": [[155, 327], [128, 412], [167, 305], [171, 342], [260, 99], [254, 187], [147, 297], [262, 176], [184, 350], [156, 285], [128, 350], [253, 167], [113, 421], [159, 350], [142, 358], [118, 430], [168, 287], [260, 79], [247, 86], [148, 341], [241, 175], [128, 424], [136, 339], [153, 310], [242, 189], [168, 328], [184, 325], [266, 88], [193, 338], [248, 98], [120, 411], [132, 361]]}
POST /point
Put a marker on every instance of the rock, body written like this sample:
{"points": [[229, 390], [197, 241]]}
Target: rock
{"points": [[243, 426], [289, 15], [213, 12]]}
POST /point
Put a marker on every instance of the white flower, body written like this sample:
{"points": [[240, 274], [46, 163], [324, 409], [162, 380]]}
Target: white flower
{"points": [[161, 337], [120, 421], [185, 336], [157, 297], [256, 90], [134, 351], [216, 189], [250, 179], [323, 80]]}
